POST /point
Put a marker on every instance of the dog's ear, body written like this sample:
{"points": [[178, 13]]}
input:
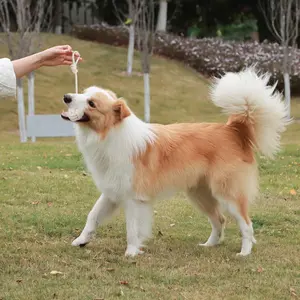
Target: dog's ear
{"points": [[121, 109]]}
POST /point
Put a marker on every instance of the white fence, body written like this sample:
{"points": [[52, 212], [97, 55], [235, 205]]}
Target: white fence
{"points": [[48, 126]]}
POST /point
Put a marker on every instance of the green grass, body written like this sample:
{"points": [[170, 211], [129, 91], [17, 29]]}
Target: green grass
{"points": [[46, 196]]}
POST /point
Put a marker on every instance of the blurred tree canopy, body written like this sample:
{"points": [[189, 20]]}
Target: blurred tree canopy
{"points": [[229, 19], [233, 19]]}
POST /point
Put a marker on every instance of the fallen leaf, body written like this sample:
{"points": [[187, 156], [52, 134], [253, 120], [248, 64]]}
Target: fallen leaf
{"points": [[49, 204], [293, 192], [110, 269], [172, 225], [35, 202], [39, 168], [293, 292], [19, 280], [259, 269], [160, 233], [84, 173], [56, 273], [124, 282]]}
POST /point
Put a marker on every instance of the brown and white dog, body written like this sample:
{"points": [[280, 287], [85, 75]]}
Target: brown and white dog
{"points": [[133, 162]]}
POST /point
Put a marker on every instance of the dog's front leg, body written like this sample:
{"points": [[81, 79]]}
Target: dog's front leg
{"points": [[103, 208], [132, 227]]}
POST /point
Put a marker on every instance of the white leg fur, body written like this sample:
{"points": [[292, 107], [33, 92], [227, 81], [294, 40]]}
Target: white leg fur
{"points": [[145, 214], [102, 209], [132, 227], [246, 231], [217, 233]]}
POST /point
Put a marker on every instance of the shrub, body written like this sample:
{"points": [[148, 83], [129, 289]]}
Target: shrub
{"points": [[209, 56]]}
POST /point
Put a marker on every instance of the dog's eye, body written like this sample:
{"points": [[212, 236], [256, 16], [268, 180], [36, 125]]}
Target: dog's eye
{"points": [[91, 103]]}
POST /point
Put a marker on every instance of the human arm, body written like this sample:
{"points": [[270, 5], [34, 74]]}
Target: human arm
{"points": [[10, 70], [55, 56]]}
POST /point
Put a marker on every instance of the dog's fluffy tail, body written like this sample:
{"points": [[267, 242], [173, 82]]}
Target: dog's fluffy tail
{"points": [[247, 98]]}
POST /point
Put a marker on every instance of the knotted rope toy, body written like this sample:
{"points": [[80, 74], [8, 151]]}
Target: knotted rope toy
{"points": [[73, 114], [74, 68]]}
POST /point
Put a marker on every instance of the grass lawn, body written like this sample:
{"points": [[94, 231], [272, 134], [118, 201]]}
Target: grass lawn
{"points": [[45, 196]]}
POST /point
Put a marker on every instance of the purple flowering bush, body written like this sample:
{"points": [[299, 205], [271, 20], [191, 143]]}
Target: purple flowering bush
{"points": [[209, 56]]}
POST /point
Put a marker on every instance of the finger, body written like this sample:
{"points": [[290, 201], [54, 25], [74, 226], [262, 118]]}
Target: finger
{"points": [[65, 47]]}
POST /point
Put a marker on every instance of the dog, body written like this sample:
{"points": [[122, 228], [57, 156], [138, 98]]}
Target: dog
{"points": [[133, 162]]}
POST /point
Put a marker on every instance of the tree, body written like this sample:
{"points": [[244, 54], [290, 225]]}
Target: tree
{"points": [[282, 17], [146, 32], [30, 17], [58, 8], [162, 16], [130, 18]]}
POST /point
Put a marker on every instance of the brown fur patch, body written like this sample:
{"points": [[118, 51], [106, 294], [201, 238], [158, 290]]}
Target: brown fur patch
{"points": [[107, 113]]}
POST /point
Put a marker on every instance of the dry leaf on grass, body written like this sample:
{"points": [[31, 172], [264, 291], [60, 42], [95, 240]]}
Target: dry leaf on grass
{"points": [[124, 282], [172, 225], [260, 269], [110, 269], [56, 272], [293, 192], [293, 292], [35, 202]]}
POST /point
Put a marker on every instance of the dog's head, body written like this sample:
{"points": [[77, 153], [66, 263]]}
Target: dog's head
{"points": [[97, 108]]}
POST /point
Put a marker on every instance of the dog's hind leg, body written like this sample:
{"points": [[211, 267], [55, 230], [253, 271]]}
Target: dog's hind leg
{"points": [[103, 208], [203, 199], [238, 208]]}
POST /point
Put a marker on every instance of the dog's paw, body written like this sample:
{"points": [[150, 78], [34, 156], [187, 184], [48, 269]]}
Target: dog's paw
{"points": [[207, 244], [133, 251], [243, 254], [81, 241]]}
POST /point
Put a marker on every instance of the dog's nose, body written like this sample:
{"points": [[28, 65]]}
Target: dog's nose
{"points": [[67, 99]]}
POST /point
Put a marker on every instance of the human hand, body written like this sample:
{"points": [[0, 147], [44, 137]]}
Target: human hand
{"points": [[56, 56]]}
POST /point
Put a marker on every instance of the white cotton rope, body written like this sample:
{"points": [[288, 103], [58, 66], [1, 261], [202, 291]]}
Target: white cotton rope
{"points": [[74, 68]]}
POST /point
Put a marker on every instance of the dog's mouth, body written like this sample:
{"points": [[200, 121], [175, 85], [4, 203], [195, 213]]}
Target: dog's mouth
{"points": [[66, 116]]}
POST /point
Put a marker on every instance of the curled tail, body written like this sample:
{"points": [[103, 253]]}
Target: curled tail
{"points": [[247, 97]]}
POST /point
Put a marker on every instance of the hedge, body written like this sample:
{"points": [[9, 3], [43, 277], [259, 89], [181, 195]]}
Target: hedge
{"points": [[209, 56]]}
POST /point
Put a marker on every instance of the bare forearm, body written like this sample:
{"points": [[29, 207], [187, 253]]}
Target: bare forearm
{"points": [[26, 65]]}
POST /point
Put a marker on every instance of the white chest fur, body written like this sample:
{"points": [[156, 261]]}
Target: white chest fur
{"points": [[110, 160]]}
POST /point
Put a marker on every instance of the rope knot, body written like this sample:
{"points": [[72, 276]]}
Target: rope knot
{"points": [[74, 68]]}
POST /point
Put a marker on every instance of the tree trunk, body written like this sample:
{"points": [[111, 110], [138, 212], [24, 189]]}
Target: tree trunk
{"points": [[130, 49], [287, 92], [147, 97], [21, 111], [58, 17], [162, 16], [31, 98]]}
